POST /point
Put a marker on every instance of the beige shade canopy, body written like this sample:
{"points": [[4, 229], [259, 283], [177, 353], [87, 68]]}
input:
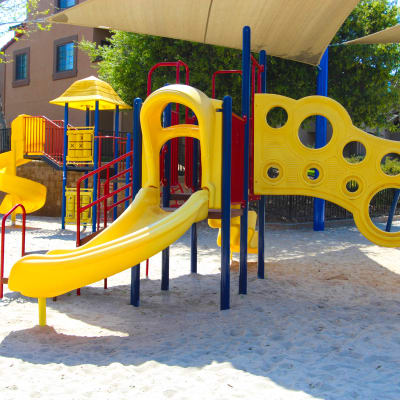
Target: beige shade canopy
{"points": [[84, 93], [388, 35], [297, 30]]}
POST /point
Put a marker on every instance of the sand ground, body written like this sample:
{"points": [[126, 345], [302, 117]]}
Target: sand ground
{"points": [[325, 324]]}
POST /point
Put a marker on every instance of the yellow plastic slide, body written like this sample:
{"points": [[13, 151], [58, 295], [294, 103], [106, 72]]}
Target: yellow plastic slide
{"points": [[142, 231], [18, 190]]}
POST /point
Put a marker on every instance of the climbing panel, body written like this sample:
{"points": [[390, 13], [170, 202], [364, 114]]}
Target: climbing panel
{"points": [[283, 165]]}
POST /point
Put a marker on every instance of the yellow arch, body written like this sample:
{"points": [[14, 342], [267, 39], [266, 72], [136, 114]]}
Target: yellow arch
{"points": [[208, 131]]}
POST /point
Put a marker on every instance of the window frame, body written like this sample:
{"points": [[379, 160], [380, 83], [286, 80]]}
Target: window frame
{"points": [[70, 73], [26, 81]]}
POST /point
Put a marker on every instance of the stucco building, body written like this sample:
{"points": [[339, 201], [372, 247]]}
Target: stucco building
{"points": [[42, 64]]}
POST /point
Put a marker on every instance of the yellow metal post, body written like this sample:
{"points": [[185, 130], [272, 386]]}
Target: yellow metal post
{"points": [[42, 311]]}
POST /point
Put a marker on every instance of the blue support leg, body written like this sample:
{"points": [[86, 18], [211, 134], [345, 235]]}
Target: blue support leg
{"points": [[392, 210], [193, 236], [262, 201], [64, 173], [226, 203], [137, 184], [96, 165], [246, 95], [166, 198], [321, 138]]}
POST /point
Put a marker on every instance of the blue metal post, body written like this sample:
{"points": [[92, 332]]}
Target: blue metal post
{"points": [[96, 164], [392, 210], [128, 165], [87, 123], [226, 202], [246, 91], [116, 154], [262, 201], [320, 137], [137, 184], [64, 175], [166, 198], [87, 117], [193, 236]]}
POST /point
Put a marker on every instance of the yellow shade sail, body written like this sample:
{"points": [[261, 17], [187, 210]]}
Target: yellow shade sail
{"points": [[388, 35], [297, 30], [84, 93]]}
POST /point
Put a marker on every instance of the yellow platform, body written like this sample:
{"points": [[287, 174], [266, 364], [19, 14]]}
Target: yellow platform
{"points": [[18, 190]]}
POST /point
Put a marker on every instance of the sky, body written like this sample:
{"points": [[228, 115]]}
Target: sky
{"points": [[5, 36]]}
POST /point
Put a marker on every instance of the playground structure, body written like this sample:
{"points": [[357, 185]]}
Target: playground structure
{"points": [[128, 243]]}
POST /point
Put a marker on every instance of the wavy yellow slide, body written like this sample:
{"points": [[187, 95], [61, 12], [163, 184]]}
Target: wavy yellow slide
{"points": [[18, 190], [143, 230]]}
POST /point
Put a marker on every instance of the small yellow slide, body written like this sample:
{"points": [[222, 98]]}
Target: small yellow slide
{"points": [[18, 190], [252, 237]]}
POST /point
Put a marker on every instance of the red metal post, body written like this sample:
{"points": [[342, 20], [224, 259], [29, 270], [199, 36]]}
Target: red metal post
{"points": [[3, 232]]}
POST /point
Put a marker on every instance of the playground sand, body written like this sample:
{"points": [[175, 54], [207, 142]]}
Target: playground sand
{"points": [[324, 325]]}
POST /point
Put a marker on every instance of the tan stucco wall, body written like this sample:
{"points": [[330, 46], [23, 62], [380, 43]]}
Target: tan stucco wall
{"points": [[33, 99]]}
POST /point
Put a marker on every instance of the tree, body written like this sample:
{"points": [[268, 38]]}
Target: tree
{"points": [[22, 16], [364, 79]]}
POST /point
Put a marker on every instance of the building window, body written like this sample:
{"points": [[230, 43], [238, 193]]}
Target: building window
{"points": [[21, 68], [66, 3], [65, 58]]}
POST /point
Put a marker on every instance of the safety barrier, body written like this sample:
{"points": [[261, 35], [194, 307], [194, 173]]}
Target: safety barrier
{"points": [[4, 280]]}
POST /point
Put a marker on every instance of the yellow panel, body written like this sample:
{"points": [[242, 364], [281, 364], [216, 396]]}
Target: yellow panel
{"points": [[86, 198], [281, 148], [80, 145]]}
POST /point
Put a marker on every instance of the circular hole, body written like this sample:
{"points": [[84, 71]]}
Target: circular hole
{"points": [[307, 131], [390, 164], [354, 152], [352, 186], [380, 208], [313, 174], [277, 117], [273, 172]]}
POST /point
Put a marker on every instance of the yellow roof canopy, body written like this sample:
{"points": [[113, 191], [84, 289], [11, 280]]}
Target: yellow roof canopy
{"points": [[84, 93], [297, 30], [386, 36]]}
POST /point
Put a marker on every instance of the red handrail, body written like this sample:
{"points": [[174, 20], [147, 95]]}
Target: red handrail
{"points": [[104, 198], [3, 232], [176, 64]]}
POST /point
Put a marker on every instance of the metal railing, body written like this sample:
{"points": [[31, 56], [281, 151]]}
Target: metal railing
{"points": [[4, 280], [106, 193], [5, 140], [300, 208]]}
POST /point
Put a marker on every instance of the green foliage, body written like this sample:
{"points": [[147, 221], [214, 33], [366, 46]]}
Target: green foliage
{"points": [[354, 159], [126, 61], [391, 165], [363, 78]]}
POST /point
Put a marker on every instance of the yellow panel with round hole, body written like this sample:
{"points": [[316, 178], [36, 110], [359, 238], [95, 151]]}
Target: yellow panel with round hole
{"points": [[283, 165]]}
